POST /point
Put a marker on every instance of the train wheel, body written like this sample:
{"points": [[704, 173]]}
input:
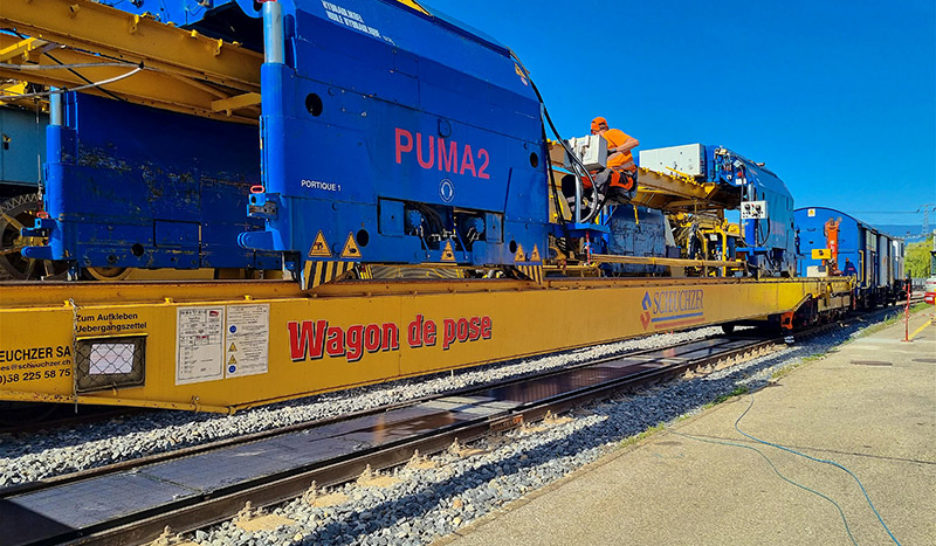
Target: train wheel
{"points": [[107, 273], [16, 213]]}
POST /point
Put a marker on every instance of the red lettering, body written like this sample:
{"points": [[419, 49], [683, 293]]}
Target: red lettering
{"points": [[448, 333], [400, 147], [391, 337], [307, 343], [313, 339], [468, 162], [483, 156], [419, 155], [372, 338], [429, 333], [462, 330], [414, 332], [486, 327], [355, 342], [474, 329], [448, 161], [335, 345]]}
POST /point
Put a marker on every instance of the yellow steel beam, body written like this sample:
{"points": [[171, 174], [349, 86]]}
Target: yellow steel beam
{"points": [[361, 333], [235, 103], [12, 89], [674, 185], [20, 48], [158, 89], [88, 25], [669, 262]]}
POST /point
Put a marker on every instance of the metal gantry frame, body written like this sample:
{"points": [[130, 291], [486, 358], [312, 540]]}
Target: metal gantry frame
{"points": [[183, 70]]}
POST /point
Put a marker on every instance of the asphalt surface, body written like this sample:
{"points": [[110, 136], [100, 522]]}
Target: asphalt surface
{"points": [[870, 406]]}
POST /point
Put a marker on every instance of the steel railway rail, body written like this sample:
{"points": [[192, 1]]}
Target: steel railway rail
{"points": [[134, 501]]}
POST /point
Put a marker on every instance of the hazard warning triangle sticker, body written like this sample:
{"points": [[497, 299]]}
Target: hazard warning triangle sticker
{"points": [[319, 247], [519, 257], [448, 255], [351, 250], [534, 255]]}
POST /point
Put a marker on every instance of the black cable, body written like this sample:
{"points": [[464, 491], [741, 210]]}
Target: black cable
{"points": [[73, 71], [595, 194]]}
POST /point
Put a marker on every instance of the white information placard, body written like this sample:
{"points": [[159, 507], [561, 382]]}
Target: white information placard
{"points": [[199, 344], [247, 339]]}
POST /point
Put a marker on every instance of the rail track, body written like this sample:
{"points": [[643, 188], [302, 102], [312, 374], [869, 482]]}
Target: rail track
{"points": [[134, 501]]}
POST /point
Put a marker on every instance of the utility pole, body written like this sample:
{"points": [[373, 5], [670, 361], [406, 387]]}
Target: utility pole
{"points": [[925, 209]]}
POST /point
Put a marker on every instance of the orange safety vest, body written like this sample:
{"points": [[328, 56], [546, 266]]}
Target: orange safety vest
{"points": [[615, 138]]}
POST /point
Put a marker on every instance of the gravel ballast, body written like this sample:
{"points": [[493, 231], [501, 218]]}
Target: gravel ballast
{"points": [[33, 456], [425, 504]]}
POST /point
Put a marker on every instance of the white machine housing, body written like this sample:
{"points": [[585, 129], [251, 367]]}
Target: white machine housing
{"points": [[686, 159]]}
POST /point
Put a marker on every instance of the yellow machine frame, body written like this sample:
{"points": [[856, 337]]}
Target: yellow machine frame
{"points": [[222, 346]]}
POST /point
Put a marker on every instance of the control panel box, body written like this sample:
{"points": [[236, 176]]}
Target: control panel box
{"points": [[754, 210], [592, 151]]}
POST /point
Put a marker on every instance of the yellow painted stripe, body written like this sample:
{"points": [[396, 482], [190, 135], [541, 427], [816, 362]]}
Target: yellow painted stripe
{"points": [[414, 5], [306, 272], [920, 329]]}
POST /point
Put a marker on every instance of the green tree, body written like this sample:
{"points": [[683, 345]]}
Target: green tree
{"points": [[918, 258]]}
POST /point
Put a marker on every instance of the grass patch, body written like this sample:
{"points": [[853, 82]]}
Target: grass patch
{"points": [[890, 320], [922, 306], [785, 370], [626, 442], [723, 397]]}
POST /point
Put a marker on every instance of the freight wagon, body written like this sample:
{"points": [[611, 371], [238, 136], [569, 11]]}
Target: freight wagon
{"points": [[832, 243]]}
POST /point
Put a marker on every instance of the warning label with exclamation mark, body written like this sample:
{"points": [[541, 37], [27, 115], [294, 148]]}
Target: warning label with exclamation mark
{"points": [[247, 339]]}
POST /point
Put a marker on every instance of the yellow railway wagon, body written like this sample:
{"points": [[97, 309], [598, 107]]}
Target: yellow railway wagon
{"points": [[222, 346]]}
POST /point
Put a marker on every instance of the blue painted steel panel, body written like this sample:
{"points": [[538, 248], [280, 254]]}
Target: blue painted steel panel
{"points": [[21, 146], [858, 242], [410, 109], [772, 242], [131, 186]]}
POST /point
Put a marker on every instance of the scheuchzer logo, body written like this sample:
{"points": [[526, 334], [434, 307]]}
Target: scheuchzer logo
{"points": [[666, 309]]}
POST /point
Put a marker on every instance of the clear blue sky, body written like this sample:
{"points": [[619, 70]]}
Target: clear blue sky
{"points": [[837, 97]]}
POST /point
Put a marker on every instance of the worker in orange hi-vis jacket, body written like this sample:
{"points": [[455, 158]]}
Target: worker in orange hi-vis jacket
{"points": [[622, 172], [620, 145]]}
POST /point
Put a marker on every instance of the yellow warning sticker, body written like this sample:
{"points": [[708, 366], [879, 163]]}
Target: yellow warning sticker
{"points": [[232, 360], [232, 349], [534, 255], [519, 257], [822, 254], [448, 255], [320, 247], [351, 250]]}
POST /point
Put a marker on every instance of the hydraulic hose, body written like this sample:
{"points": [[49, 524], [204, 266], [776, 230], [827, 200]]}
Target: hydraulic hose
{"points": [[594, 205]]}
